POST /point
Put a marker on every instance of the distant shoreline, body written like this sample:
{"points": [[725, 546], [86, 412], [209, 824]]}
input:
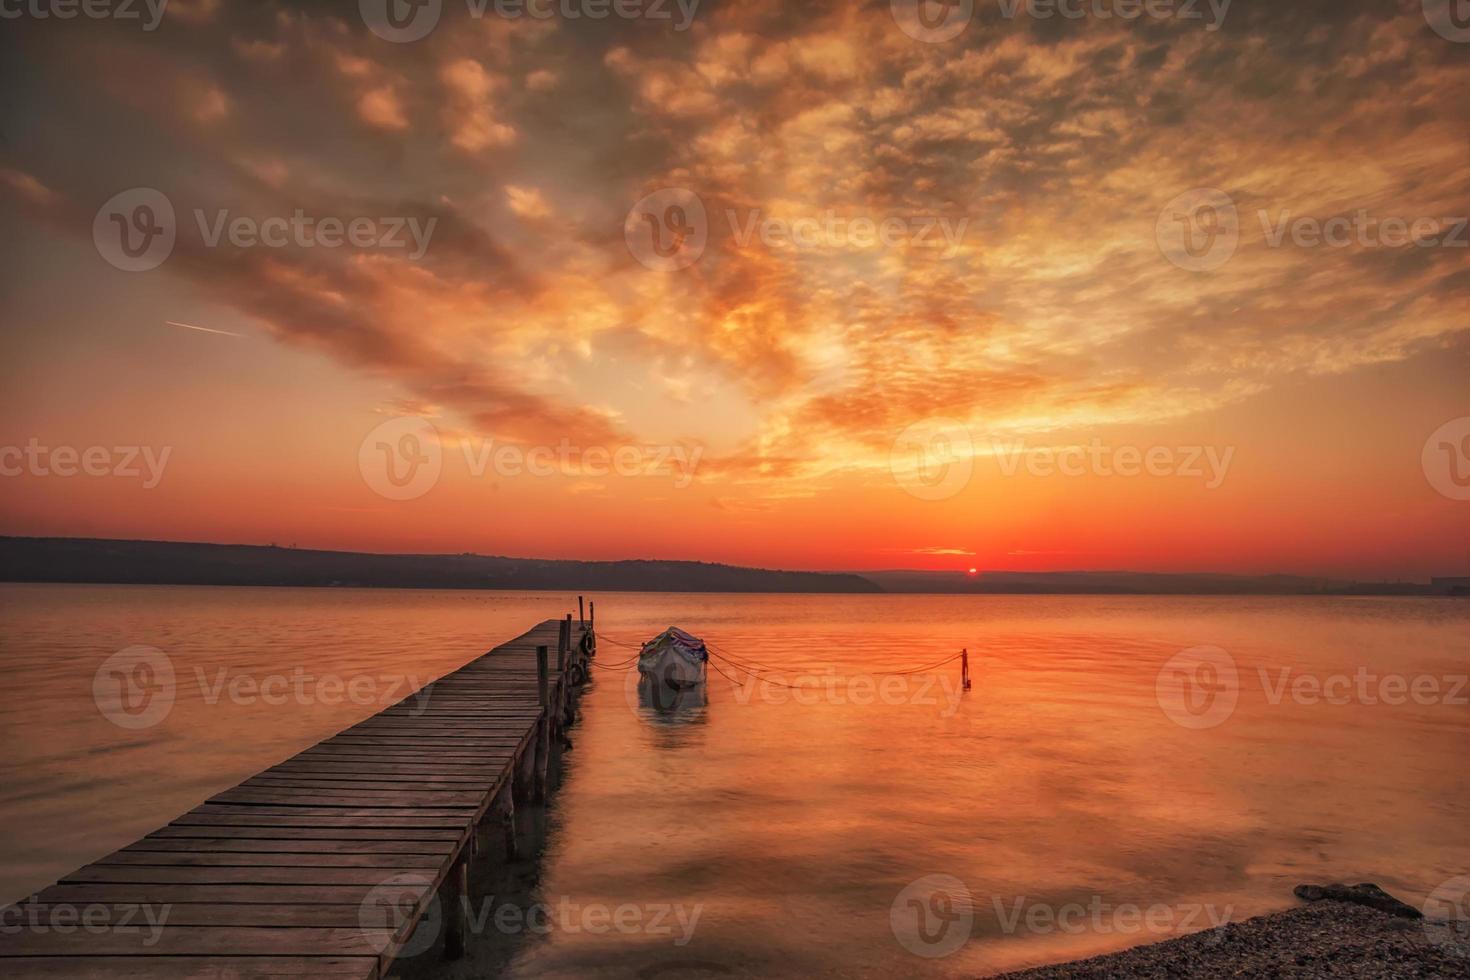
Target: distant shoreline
{"points": [[96, 561]]}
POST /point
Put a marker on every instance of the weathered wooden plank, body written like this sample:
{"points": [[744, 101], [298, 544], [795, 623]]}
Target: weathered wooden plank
{"points": [[328, 832], [248, 859], [189, 968], [331, 782], [198, 941], [127, 874], [343, 797], [159, 893], [228, 809], [244, 822], [225, 846], [206, 914]]}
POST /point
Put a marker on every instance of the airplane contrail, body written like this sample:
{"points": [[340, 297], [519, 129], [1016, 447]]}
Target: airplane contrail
{"points": [[190, 326]]}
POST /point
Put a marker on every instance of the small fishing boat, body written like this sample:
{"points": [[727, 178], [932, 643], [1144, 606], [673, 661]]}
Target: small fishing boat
{"points": [[675, 659]]}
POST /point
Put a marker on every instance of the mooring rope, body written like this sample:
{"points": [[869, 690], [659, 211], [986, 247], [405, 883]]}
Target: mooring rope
{"points": [[877, 673], [760, 671]]}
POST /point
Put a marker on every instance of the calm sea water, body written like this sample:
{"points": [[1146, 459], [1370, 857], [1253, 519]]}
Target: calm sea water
{"points": [[838, 818]]}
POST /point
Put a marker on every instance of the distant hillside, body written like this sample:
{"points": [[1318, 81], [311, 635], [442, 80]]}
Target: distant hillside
{"points": [[1130, 583], [169, 563]]}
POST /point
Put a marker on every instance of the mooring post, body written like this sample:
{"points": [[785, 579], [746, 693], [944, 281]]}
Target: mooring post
{"points": [[581, 613], [543, 735], [592, 614], [506, 804], [965, 669], [458, 913], [563, 656]]}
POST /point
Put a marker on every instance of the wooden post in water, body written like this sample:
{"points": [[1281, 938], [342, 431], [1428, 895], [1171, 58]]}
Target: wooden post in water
{"points": [[457, 915], [543, 734], [965, 669], [512, 849], [581, 613], [563, 635], [592, 614]]}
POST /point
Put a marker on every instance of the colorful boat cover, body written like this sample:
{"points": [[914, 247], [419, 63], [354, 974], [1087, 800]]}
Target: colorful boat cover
{"points": [[674, 640]]}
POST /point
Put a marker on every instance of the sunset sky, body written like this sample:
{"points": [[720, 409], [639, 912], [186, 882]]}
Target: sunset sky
{"points": [[803, 379]]}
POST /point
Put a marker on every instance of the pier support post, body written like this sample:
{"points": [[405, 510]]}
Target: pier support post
{"points": [[581, 613], [563, 648], [543, 734], [456, 916], [512, 846], [592, 615]]}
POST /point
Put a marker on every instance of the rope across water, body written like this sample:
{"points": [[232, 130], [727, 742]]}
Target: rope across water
{"points": [[760, 671]]}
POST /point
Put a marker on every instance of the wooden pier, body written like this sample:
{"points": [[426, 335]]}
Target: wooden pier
{"points": [[325, 864]]}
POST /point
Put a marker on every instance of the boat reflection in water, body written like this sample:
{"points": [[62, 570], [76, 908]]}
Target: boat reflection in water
{"points": [[672, 705], [671, 686]]}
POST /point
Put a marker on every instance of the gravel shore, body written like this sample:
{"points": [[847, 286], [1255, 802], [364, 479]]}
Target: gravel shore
{"points": [[1325, 939]]}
